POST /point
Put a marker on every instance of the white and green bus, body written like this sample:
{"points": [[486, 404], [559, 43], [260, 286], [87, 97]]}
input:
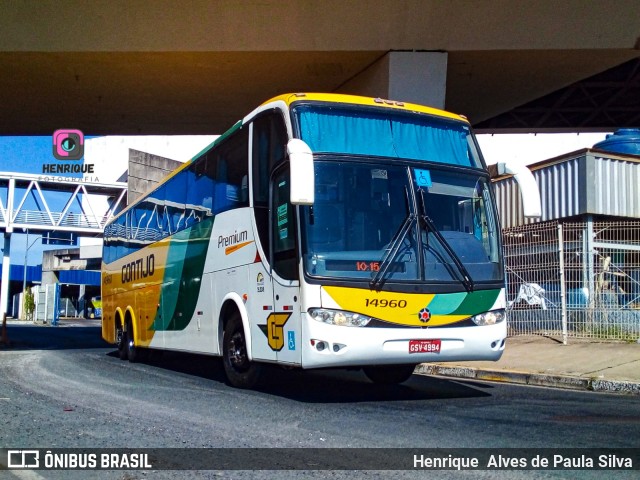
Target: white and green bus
{"points": [[321, 230]]}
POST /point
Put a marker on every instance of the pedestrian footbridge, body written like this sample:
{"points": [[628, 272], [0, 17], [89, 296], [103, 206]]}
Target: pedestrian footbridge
{"points": [[54, 208], [64, 204]]}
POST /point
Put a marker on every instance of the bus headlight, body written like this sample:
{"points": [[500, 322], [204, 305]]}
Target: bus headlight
{"points": [[489, 318], [339, 317]]}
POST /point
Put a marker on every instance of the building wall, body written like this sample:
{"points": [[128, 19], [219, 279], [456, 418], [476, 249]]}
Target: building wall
{"points": [[146, 171], [587, 182]]}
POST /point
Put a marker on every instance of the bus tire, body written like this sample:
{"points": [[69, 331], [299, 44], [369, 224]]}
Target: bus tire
{"points": [[389, 374], [130, 348], [241, 372]]}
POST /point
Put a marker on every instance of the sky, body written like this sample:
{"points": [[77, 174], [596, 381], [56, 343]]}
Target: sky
{"points": [[24, 154], [528, 148], [28, 154]]}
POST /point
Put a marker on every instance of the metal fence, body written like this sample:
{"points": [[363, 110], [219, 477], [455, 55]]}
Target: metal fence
{"points": [[579, 280], [47, 298]]}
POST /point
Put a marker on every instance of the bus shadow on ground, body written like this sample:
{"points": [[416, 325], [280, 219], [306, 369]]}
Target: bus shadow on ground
{"points": [[323, 386], [45, 337]]}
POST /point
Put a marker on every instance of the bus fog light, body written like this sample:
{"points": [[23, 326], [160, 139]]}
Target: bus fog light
{"points": [[339, 317], [489, 318], [337, 347]]}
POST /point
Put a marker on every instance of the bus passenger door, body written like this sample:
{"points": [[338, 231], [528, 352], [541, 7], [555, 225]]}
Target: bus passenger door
{"points": [[284, 326], [286, 323], [261, 309]]}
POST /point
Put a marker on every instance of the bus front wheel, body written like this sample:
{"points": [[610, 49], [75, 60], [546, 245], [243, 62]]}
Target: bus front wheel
{"points": [[241, 372], [389, 374]]}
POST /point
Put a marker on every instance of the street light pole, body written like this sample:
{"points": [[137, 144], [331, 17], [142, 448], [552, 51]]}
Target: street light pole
{"points": [[24, 273], [26, 253]]}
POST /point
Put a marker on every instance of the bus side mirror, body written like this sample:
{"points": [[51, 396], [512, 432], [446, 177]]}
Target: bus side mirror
{"points": [[302, 174], [528, 187]]}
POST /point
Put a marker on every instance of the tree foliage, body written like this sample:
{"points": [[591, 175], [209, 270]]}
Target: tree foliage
{"points": [[29, 304]]}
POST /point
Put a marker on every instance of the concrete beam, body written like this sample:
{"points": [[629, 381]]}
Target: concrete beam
{"points": [[416, 77], [315, 25]]}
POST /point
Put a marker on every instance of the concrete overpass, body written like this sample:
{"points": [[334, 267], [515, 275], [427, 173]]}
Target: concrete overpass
{"points": [[164, 67]]}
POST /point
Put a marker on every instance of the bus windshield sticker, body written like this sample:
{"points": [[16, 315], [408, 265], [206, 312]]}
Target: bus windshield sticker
{"points": [[423, 177], [282, 214], [379, 173], [284, 233]]}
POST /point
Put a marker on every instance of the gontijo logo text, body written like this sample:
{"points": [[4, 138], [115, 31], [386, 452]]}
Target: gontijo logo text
{"points": [[138, 269]]}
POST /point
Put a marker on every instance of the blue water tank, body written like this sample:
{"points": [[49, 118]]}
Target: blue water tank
{"points": [[625, 140]]}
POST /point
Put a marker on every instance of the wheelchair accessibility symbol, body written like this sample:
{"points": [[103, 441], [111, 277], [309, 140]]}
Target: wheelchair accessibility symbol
{"points": [[291, 340], [423, 177]]}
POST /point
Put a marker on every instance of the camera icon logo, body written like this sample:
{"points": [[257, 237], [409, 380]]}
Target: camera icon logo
{"points": [[68, 144]]}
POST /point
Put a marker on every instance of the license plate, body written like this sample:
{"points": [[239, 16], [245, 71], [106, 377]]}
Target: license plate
{"points": [[425, 346]]}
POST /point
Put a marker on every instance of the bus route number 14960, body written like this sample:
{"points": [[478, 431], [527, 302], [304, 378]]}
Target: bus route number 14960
{"points": [[384, 303]]}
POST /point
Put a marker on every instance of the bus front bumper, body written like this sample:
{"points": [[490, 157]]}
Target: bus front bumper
{"points": [[339, 346]]}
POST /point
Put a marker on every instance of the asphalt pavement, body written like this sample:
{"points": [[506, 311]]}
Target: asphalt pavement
{"points": [[612, 367]]}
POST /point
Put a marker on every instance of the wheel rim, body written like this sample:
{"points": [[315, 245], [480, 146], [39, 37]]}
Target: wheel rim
{"points": [[238, 352]]}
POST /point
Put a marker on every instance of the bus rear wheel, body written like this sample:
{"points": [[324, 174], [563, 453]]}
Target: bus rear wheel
{"points": [[131, 350], [389, 374], [241, 372]]}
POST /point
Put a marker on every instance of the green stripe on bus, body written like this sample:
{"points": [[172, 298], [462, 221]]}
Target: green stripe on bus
{"points": [[477, 302], [445, 303], [182, 277]]}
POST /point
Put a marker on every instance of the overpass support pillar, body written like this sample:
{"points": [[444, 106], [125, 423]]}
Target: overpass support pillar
{"points": [[416, 77], [6, 281]]}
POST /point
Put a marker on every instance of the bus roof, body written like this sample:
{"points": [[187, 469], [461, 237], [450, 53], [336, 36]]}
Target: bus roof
{"points": [[290, 98]]}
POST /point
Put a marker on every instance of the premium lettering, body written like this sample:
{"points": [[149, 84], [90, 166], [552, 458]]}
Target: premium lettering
{"points": [[232, 239]]}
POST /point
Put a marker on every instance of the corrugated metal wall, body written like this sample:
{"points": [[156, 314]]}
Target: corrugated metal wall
{"points": [[16, 273], [591, 183], [560, 189], [616, 187], [79, 277]]}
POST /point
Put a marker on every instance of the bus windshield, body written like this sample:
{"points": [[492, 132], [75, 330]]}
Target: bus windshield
{"points": [[366, 218], [392, 134]]}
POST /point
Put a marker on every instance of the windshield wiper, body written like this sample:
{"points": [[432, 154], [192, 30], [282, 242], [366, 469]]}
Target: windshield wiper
{"points": [[466, 279], [394, 246]]}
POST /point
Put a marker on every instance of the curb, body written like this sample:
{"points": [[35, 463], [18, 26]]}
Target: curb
{"points": [[532, 379]]}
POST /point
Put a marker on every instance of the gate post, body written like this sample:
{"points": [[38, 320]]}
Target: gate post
{"points": [[563, 286], [56, 304]]}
